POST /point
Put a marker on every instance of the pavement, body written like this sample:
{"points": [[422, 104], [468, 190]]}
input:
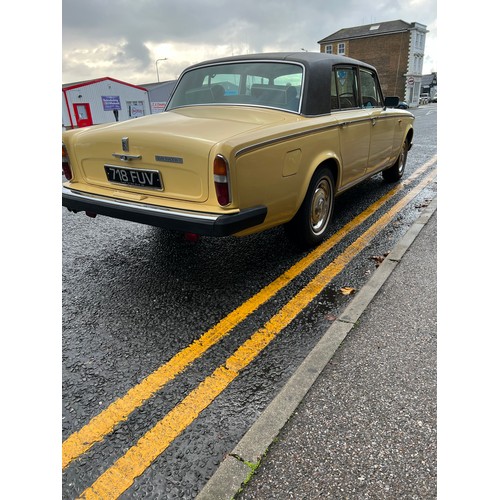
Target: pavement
{"points": [[358, 419]]}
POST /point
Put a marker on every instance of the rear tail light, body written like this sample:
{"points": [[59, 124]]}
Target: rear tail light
{"points": [[221, 181], [66, 168]]}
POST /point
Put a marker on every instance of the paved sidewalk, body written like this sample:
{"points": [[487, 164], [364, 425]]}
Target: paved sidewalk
{"points": [[358, 418]]}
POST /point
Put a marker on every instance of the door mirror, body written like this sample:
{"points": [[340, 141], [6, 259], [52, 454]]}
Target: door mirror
{"points": [[391, 102]]}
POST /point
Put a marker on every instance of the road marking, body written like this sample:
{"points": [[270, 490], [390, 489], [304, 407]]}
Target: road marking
{"points": [[105, 422], [121, 475]]}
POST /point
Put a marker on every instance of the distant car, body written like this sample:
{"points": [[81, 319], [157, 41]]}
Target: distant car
{"points": [[246, 143], [424, 99], [402, 105], [434, 98]]}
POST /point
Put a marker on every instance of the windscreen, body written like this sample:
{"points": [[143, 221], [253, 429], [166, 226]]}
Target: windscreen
{"points": [[269, 84]]}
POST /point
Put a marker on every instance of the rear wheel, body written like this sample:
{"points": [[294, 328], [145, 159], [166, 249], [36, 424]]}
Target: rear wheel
{"points": [[309, 226], [394, 173]]}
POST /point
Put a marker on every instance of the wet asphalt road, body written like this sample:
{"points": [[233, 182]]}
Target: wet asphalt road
{"points": [[134, 296]]}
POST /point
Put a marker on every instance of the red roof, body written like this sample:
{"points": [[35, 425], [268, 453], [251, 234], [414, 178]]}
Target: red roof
{"points": [[70, 86]]}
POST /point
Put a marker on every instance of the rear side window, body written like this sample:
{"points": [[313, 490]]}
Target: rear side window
{"points": [[344, 88], [370, 92]]}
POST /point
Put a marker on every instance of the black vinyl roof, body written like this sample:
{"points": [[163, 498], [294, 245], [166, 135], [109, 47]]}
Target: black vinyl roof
{"points": [[305, 58]]}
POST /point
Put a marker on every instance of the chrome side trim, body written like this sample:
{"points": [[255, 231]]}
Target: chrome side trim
{"points": [[284, 138], [296, 135]]}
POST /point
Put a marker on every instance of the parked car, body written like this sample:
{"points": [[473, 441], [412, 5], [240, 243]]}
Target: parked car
{"points": [[434, 98], [402, 105], [246, 143], [424, 99]]}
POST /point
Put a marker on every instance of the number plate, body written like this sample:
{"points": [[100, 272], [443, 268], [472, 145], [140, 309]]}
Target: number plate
{"points": [[150, 179]]}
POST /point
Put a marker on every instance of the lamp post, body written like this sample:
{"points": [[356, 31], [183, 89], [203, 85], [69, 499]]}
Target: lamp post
{"points": [[158, 74]]}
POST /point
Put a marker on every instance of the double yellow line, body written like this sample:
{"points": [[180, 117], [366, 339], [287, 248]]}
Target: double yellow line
{"points": [[121, 474]]}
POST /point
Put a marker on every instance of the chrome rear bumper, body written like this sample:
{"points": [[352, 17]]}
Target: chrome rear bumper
{"points": [[207, 224]]}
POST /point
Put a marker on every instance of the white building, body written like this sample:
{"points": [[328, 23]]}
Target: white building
{"points": [[415, 63], [103, 100]]}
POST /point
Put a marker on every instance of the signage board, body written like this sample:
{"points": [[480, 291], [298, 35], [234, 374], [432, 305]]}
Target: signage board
{"points": [[158, 106], [111, 102]]}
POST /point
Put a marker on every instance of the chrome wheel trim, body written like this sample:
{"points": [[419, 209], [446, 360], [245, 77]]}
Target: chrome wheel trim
{"points": [[402, 158], [321, 206]]}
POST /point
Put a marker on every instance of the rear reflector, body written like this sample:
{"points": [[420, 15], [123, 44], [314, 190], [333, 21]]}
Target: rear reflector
{"points": [[191, 237]]}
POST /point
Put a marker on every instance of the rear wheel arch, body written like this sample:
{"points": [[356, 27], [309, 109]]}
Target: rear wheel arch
{"points": [[332, 164], [310, 224]]}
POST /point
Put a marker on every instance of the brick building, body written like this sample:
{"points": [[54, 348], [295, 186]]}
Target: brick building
{"points": [[395, 48]]}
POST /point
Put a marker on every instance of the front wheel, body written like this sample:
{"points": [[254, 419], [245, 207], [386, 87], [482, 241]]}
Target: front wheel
{"points": [[309, 226], [394, 173]]}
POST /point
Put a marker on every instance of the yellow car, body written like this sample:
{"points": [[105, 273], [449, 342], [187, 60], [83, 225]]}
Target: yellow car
{"points": [[245, 144]]}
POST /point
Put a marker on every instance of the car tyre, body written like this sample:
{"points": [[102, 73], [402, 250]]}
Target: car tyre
{"points": [[394, 173], [309, 226]]}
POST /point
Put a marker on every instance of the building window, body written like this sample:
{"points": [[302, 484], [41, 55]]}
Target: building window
{"points": [[418, 62], [328, 49], [341, 49], [420, 40]]}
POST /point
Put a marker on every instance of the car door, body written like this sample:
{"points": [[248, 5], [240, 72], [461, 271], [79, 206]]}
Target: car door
{"points": [[354, 124], [382, 120]]}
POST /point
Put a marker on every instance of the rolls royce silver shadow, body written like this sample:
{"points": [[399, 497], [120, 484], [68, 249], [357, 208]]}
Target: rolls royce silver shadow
{"points": [[245, 144]]}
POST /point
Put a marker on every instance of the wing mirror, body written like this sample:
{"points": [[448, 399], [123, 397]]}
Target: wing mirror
{"points": [[391, 102]]}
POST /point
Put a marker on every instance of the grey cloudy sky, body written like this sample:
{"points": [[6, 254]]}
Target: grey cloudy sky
{"points": [[123, 39]]}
